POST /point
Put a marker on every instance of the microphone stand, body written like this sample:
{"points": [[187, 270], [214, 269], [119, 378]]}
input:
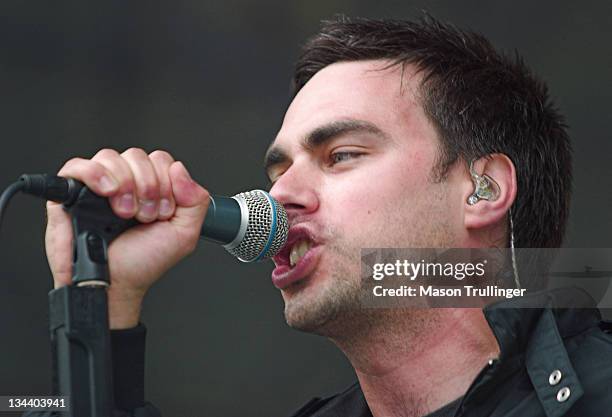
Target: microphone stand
{"points": [[80, 336]]}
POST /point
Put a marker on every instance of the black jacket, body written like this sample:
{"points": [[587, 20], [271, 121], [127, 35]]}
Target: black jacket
{"points": [[554, 362]]}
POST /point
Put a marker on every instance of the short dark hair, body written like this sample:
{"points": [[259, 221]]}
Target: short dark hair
{"points": [[481, 102]]}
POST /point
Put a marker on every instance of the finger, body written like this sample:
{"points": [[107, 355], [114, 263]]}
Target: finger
{"points": [[58, 244], [123, 202], [191, 204], [161, 163], [94, 175], [147, 184]]}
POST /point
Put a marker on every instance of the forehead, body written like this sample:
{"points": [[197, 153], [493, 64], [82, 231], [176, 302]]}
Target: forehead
{"points": [[366, 90]]}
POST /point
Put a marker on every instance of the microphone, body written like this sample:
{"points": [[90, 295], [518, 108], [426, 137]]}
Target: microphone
{"points": [[251, 225]]}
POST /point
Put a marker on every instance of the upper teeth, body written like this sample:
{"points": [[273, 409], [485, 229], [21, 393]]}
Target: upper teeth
{"points": [[298, 250]]}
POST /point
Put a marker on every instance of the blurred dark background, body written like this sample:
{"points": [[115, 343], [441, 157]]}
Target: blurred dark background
{"points": [[209, 81]]}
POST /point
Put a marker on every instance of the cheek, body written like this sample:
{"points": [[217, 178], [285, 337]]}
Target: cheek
{"points": [[386, 183], [361, 211], [391, 206]]}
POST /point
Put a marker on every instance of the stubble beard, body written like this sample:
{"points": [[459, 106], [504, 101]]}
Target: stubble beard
{"points": [[322, 309], [333, 307]]}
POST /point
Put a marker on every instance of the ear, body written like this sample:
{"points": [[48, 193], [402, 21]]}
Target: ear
{"points": [[484, 213]]}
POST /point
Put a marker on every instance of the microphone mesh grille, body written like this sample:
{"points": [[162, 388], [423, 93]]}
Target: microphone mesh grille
{"points": [[260, 208]]}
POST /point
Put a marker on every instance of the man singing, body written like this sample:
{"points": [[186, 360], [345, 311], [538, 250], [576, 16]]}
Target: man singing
{"points": [[390, 125]]}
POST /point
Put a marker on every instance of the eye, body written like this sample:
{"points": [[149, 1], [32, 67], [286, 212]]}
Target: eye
{"points": [[337, 157]]}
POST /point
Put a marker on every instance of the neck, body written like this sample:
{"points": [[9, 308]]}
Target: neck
{"points": [[412, 362]]}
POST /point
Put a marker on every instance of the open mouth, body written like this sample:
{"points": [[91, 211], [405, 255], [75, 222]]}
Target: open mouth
{"points": [[297, 246], [297, 259], [298, 250]]}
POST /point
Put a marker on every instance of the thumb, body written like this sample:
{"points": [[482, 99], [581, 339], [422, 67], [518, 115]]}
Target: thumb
{"points": [[191, 199], [58, 244]]}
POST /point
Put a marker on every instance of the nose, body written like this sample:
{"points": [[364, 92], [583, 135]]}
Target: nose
{"points": [[296, 191]]}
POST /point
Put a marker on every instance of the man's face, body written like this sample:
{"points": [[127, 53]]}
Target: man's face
{"points": [[352, 164]]}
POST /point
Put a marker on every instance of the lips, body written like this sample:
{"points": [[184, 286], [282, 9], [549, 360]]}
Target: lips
{"points": [[297, 259]]}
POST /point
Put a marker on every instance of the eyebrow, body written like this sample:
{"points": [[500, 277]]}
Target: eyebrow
{"points": [[322, 135]]}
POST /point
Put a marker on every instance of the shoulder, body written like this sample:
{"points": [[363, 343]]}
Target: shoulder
{"points": [[589, 375], [591, 355]]}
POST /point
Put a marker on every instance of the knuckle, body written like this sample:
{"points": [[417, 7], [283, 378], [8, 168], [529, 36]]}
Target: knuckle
{"points": [[161, 155], [205, 194], [127, 183], [71, 163], [134, 152], [82, 168], [93, 169], [106, 153], [149, 190], [165, 191]]}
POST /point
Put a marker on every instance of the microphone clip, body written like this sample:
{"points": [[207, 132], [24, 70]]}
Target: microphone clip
{"points": [[95, 226]]}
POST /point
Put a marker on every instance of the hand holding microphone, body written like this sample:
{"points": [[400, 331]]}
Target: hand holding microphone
{"points": [[156, 190], [159, 193]]}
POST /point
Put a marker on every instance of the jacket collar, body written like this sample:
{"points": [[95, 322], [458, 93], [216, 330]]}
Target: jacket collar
{"points": [[516, 322], [531, 330]]}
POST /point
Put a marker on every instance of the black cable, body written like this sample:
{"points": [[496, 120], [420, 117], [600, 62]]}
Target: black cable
{"points": [[49, 187], [6, 196]]}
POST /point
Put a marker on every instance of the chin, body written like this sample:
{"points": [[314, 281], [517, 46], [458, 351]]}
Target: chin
{"points": [[317, 305], [306, 305]]}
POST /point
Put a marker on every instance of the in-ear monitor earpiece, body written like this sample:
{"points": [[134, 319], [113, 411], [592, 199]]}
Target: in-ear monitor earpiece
{"points": [[485, 187]]}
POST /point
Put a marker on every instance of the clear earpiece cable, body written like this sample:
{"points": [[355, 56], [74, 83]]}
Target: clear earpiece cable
{"points": [[517, 282]]}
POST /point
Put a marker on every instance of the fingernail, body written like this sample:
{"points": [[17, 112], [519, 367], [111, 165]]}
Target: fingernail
{"points": [[148, 209], [126, 202], [107, 184], [165, 209]]}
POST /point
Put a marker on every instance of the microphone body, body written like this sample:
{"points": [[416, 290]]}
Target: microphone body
{"points": [[223, 220], [251, 225]]}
